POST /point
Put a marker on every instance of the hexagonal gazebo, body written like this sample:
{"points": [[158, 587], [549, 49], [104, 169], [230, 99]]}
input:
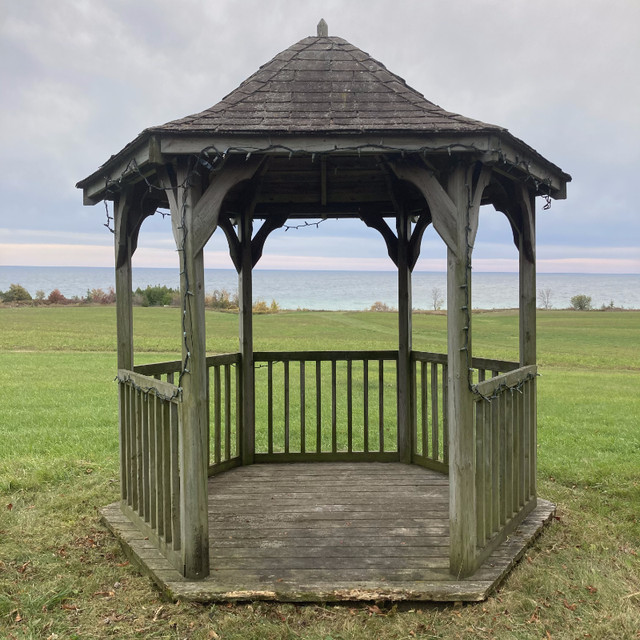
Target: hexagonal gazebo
{"points": [[332, 475]]}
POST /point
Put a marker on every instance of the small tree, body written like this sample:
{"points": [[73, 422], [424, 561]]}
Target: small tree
{"points": [[581, 302], [544, 296], [380, 306], [16, 293], [437, 298], [56, 297]]}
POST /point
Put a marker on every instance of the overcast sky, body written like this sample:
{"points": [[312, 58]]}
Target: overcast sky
{"points": [[81, 78]]}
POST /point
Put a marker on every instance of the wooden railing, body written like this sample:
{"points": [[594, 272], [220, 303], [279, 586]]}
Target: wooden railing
{"points": [[224, 403], [505, 460], [326, 405], [149, 458]]}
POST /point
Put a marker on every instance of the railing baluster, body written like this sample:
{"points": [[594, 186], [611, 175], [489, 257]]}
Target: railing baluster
{"points": [[495, 466], [217, 415], [425, 408], [349, 406], [365, 403], [435, 436], [227, 412], [479, 474], [318, 406], [381, 405], [153, 400], [302, 407], [270, 406], [175, 477], [334, 408], [159, 427], [166, 473], [445, 414], [286, 406]]}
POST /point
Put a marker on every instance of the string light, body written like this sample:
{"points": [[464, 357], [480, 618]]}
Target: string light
{"points": [[214, 160]]}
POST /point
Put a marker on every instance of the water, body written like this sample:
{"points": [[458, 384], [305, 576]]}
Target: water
{"points": [[333, 290]]}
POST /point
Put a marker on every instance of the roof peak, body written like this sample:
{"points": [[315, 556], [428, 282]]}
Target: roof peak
{"points": [[323, 29]]}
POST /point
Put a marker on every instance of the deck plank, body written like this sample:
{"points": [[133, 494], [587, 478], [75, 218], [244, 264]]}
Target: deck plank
{"points": [[328, 532]]}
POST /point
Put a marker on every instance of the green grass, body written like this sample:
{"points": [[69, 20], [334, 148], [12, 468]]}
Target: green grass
{"points": [[63, 576]]}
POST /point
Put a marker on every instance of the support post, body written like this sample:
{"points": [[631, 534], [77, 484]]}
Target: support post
{"points": [[527, 278], [405, 402], [245, 287], [194, 411], [124, 318], [462, 492]]}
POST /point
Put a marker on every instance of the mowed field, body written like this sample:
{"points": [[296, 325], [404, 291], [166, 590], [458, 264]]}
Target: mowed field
{"points": [[63, 576]]}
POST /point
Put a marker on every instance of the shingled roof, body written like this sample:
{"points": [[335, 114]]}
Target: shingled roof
{"points": [[324, 85]]}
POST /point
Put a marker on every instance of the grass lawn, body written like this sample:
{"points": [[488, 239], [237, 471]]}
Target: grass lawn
{"points": [[63, 576]]}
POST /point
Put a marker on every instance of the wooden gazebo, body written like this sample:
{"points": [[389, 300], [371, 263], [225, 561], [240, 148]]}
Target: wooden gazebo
{"points": [[324, 130]]}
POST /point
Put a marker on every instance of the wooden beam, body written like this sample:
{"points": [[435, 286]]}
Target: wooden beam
{"points": [[124, 301]]}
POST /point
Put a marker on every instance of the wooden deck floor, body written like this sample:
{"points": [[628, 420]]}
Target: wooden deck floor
{"points": [[329, 532]]}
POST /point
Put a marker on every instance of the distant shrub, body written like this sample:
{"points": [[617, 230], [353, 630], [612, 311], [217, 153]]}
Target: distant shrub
{"points": [[15, 293], [380, 306], [98, 296], [39, 295], [581, 302], [221, 299], [55, 297], [544, 296], [157, 296], [260, 306]]}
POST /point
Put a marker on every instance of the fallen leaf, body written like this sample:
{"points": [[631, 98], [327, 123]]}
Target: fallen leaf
{"points": [[591, 589], [213, 635], [18, 617], [22, 568], [104, 594], [10, 506], [571, 607], [122, 564], [69, 607]]}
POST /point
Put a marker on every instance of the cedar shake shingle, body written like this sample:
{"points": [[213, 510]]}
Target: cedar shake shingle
{"points": [[324, 85]]}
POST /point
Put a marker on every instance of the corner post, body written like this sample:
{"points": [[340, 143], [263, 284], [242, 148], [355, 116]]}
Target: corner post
{"points": [[124, 319], [405, 400], [194, 411], [527, 280], [462, 490], [245, 286]]}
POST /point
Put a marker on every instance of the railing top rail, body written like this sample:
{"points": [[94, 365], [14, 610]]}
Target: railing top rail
{"points": [[159, 388], [509, 380], [174, 366], [326, 356], [494, 365], [428, 356]]}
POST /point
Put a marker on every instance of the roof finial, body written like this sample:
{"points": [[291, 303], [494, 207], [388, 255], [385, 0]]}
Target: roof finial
{"points": [[323, 29]]}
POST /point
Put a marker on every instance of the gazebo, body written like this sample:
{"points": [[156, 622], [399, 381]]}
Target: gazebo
{"points": [[326, 475]]}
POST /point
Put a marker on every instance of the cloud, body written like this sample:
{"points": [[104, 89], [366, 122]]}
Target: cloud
{"points": [[81, 78]]}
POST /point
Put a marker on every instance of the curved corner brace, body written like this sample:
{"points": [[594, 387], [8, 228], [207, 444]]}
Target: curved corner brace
{"points": [[444, 212], [481, 183], [133, 207], [378, 223], [207, 209], [232, 239], [416, 238], [257, 243]]}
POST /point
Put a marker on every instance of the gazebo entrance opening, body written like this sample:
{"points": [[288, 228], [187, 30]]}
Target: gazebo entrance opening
{"points": [[467, 424]]}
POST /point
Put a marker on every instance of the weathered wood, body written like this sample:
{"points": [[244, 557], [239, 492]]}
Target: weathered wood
{"points": [[527, 279], [460, 403], [207, 208], [194, 412], [245, 290], [509, 379], [404, 400]]}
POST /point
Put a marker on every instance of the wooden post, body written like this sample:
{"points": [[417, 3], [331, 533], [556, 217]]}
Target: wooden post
{"points": [[245, 287], [124, 321], [405, 403], [194, 446], [462, 496], [527, 276]]}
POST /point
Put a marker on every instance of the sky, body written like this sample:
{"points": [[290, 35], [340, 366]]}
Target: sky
{"points": [[79, 79]]}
